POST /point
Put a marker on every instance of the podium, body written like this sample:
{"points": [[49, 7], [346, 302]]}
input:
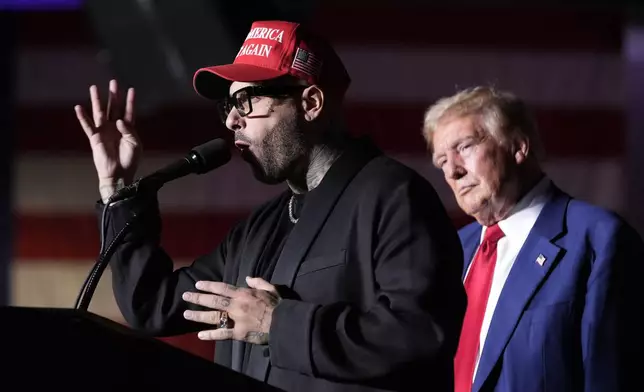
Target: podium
{"points": [[70, 349]]}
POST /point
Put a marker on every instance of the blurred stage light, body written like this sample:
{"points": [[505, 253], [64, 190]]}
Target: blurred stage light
{"points": [[40, 5]]}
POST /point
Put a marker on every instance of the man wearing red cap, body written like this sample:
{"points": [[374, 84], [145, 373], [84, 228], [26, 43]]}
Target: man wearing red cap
{"points": [[362, 259]]}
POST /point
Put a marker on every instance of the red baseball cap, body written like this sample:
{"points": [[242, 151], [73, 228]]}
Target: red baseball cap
{"points": [[273, 49]]}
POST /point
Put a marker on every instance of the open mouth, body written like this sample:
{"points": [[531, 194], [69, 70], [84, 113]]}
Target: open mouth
{"points": [[241, 145]]}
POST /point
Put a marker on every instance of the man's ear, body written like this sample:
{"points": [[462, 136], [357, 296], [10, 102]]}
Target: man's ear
{"points": [[521, 149], [312, 102]]}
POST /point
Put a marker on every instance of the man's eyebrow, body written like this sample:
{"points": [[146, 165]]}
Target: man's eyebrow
{"points": [[454, 145], [435, 158], [466, 139]]}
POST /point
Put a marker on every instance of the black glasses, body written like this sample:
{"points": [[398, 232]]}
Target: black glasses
{"points": [[241, 99]]}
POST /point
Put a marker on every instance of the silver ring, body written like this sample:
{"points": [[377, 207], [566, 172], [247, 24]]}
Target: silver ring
{"points": [[223, 320]]}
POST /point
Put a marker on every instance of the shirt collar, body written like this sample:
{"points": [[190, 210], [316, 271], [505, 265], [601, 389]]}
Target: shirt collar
{"points": [[524, 214]]}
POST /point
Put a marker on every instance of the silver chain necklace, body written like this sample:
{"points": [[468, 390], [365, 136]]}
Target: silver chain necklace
{"points": [[290, 210]]}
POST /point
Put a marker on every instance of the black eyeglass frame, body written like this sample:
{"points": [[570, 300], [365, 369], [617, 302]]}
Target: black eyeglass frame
{"points": [[225, 105]]}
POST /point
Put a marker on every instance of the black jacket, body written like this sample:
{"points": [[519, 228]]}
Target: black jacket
{"points": [[371, 274]]}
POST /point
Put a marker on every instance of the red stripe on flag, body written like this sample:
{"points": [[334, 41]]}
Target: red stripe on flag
{"points": [[395, 127], [76, 237]]}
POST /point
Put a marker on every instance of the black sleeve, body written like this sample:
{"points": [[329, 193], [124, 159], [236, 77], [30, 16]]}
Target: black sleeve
{"points": [[420, 299], [146, 287]]}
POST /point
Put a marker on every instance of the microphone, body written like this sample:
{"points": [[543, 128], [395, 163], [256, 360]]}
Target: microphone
{"points": [[199, 160]]}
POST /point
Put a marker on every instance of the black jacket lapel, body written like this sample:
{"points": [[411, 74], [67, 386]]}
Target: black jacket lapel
{"points": [[317, 208]]}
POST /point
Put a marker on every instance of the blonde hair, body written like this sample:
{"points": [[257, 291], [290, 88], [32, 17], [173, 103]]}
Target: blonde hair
{"points": [[500, 113]]}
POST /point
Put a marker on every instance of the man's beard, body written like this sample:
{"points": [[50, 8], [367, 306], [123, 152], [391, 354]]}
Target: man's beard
{"points": [[279, 152]]}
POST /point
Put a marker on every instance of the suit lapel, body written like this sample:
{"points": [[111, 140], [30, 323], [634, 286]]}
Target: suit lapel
{"points": [[468, 250], [317, 207], [533, 263]]}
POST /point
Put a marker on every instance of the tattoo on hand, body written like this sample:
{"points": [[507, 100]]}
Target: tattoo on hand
{"points": [[117, 185], [256, 337], [107, 190], [273, 299]]}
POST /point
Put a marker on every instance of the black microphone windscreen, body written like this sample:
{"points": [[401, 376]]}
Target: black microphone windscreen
{"points": [[212, 154]]}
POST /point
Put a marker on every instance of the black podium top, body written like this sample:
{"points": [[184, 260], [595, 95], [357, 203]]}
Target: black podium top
{"points": [[78, 350]]}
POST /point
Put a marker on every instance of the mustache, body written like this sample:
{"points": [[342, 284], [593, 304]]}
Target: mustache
{"points": [[239, 137]]}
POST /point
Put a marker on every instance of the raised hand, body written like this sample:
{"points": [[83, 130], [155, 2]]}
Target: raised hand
{"points": [[116, 148]]}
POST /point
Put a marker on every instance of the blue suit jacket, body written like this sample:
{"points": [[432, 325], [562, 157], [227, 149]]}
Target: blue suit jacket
{"points": [[575, 323]]}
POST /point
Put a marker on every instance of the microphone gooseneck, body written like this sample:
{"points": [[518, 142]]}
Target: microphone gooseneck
{"points": [[199, 160]]}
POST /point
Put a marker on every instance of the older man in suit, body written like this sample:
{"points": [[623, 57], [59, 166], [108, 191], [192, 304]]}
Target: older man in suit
{"points": [[552, 282]]}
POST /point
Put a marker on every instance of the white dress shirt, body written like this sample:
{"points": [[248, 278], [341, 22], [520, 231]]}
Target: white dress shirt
{"points": [[516, 228]]}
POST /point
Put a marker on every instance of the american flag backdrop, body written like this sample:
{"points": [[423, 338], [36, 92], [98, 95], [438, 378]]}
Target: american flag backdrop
{"points": [[566, 63]]}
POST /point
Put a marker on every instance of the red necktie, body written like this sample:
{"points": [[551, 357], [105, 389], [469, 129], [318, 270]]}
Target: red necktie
{"points": [[477, 286]]}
